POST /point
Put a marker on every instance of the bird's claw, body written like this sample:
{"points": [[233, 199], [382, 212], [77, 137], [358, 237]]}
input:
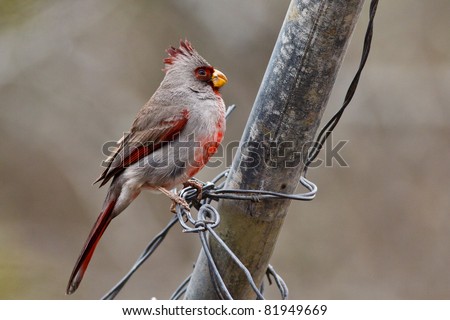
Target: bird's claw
{"points": [[180, 201], [196, 185]]}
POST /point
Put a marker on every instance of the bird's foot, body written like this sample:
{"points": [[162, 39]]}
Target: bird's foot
{"points": [[180, 201], [176, 199], [196, 185]]}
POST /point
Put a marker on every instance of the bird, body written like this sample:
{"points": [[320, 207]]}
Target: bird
{"points": [[171, 139]]}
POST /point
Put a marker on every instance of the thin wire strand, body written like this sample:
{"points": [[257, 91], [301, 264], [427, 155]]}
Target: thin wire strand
{"points": [[332, 123], [151, 247], [181, 290], [219, 284], [238, 262], [282, 287]]}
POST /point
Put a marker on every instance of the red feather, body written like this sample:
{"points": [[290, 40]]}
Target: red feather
{"points": [[88, 250], [184, 49], [174, 125], [175, 128]]}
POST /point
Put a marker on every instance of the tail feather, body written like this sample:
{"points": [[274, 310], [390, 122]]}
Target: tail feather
{"points": [[91, 243]]}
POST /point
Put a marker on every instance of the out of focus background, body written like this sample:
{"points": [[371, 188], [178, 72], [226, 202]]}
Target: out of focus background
{"points": [[73, 74]]}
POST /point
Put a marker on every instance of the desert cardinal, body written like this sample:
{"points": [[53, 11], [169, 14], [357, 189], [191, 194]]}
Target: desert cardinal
{"points": [[172, 138]]}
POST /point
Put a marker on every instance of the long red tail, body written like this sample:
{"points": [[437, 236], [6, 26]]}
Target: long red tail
{"points": [[97, 231]]}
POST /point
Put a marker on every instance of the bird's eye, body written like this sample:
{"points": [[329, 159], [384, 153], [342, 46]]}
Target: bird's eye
{"points": [[204, 73]]}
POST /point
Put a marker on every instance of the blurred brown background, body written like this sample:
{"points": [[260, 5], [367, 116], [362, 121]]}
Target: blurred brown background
{"points": [[74, 73]]}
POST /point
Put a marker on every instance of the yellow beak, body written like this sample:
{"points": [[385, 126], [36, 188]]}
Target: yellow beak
{"points": [[218, 79]]}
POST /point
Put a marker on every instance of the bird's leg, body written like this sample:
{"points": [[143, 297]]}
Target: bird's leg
{"points": [[175, 198], [196, 185]]}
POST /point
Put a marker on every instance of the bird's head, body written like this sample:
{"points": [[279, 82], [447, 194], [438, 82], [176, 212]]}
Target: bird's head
{"points": [[184, 66]]}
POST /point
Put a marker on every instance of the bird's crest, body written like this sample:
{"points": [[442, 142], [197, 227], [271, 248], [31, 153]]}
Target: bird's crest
{"points": [[185, 49]]}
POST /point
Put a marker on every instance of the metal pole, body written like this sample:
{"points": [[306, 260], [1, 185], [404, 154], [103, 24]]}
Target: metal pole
{"points": [[282, 125]]}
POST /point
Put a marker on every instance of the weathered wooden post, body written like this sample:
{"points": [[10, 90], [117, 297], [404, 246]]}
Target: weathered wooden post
{"points": [[282, 125]]}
